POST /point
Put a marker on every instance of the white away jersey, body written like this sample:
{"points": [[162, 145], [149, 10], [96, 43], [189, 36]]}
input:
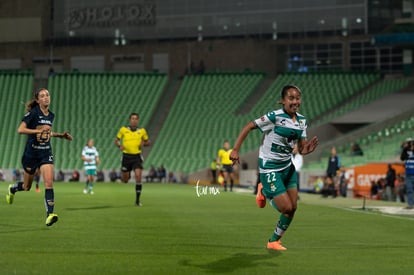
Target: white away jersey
{"points": [[280, 132], [90, 153]]}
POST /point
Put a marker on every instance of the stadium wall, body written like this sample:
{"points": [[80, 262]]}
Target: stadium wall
{"points": [[217, 55]]}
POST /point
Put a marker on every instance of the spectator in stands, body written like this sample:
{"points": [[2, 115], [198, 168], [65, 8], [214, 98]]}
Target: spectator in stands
{"points": [[376, 190], [356, 150], [171, 177], [407, 155], [152, 174], [161, 173], [113, 175], [404, 144], [390, 177], [381, 188], [297, 160], [281, 129], [100, 176], [75, 176], [223, 159], [17, 176], [334, 163], [130, 140], [329, 188], [37, 125], [60, 176]]}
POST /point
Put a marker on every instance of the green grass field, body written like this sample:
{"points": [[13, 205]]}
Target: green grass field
{"points": [[178, 232]]}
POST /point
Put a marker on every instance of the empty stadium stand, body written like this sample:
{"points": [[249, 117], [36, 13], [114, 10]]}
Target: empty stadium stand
{"points": [[16, 90], [200, 119]]}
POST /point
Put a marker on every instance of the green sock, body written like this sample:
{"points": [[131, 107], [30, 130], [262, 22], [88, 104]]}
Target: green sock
{"points": [[281, 227]]}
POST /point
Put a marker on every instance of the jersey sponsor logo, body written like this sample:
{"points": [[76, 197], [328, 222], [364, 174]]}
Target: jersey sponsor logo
{"points": [[44, 121], [46, 147]]}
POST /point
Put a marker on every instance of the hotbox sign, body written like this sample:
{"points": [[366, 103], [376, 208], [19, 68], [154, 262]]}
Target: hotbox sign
{"points": [[109, 16]]}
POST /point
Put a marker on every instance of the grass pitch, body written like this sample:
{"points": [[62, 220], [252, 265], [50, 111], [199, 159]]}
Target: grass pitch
{"points": [[176, 231]]}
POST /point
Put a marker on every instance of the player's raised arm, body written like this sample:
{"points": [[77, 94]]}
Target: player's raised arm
{"points": [[234, 156]]}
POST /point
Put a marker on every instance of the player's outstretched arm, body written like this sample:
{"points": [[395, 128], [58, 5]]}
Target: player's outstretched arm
{"points": [[234, 155], [65, 135]]}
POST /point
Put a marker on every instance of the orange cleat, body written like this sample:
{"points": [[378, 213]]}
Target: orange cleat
{"points": [[276, 245], [260, 199]]}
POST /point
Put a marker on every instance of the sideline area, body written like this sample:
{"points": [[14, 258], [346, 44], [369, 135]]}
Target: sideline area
{"points": [[383, 207]]}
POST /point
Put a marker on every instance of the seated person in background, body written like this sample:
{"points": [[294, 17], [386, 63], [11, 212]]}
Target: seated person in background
{"points": [[377, 189], [374, 190], [2, 176], [381, 188], [75, 176], [113, 175], [152, 174], [162, 173], [329, 188], [100, 176], [171, 177], [17, 175], [356, 150], [60, 176]]}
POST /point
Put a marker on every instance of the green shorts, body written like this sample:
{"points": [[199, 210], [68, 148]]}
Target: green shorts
{"points": [[276, 183], [90, 172]]}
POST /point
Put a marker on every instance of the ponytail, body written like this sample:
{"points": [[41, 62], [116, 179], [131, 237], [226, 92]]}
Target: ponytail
{"points": [[33, 103]]}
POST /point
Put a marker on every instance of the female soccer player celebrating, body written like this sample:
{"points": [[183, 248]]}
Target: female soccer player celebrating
{"points": [[281, 128], [37, 124]]}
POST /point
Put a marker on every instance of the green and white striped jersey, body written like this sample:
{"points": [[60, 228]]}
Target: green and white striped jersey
{"points": [[90, 153], [280, 133]]}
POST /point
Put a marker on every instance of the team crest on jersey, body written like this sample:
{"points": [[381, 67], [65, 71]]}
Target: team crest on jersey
{"points": [[272, 187], [302, 123]]}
